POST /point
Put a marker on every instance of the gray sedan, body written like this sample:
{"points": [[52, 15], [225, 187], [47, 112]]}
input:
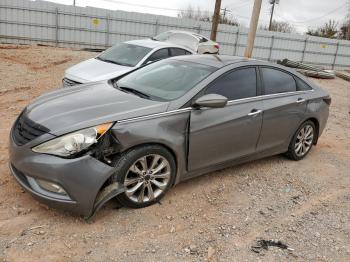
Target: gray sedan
{"points": [[135, 137]]}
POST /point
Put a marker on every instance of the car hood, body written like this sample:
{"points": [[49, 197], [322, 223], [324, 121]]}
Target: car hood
{"points": [[71, 109], [95, 70]]}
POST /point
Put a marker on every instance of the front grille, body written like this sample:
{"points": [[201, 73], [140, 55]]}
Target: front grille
{"points": [[68, 82], [26, 130]]}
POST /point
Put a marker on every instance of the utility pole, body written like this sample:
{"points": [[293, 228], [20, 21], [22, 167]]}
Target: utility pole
{"points": [[252, 28], [73, 2], [216, 20], [224, 13], [273, 2]]}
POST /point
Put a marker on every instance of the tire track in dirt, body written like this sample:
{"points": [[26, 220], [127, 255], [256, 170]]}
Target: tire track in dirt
{"points": [[298, 212], [33, 66]]}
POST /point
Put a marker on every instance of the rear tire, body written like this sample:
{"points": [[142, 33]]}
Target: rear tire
{"points": [[302, 141], [147, 172]]}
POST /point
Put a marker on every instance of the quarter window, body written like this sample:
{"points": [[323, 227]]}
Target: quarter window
{"points": [[237, 84], [276, 81], [301, 85]]}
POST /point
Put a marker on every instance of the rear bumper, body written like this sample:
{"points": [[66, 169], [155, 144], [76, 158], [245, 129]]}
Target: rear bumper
{"points": [[81, 178]]}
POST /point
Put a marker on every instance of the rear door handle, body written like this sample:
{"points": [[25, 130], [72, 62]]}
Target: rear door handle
{"points": [[255, 112], [300, 100]]}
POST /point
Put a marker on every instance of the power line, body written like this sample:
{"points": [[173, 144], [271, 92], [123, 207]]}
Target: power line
{"points": [[145, 6], [239, 6], [246, 17], [314, 19], [160, 8]]}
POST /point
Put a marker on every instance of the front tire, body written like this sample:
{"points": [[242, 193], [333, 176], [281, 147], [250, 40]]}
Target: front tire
{"points": [[302, 141], [147, 172]]}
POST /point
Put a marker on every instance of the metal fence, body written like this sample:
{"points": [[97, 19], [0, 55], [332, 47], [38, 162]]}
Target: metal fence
{"points": [[27, 22]]}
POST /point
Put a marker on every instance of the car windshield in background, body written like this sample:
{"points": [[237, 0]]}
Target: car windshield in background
{"points": [[124, 54], [162, 36], [165, 80]]}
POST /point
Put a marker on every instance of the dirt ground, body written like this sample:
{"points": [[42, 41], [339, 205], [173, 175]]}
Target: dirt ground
{"points": [[216, 217]]}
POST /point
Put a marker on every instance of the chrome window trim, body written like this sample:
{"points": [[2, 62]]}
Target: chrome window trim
{"points": [[172, 112], [236, 101]]}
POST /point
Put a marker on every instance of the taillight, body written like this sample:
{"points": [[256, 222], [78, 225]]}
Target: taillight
{"points": [[327, 100], [217, 46]]}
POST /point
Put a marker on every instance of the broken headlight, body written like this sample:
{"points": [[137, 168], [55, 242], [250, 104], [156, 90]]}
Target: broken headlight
{"points": [[73, 143]]}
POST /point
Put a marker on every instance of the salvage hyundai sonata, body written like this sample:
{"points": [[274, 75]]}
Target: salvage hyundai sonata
{"points": [[134, 137]]}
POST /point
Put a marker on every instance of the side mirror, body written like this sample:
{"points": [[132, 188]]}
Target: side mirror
{"points": [[211, 100]]}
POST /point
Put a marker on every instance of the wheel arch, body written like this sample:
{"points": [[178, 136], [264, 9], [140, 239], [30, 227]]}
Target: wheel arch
{"points": [[109, 180], [167, 147], [156, 144], [317, 126]]}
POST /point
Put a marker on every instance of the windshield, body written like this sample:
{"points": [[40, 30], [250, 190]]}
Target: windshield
{"points": [[183, 39], [124, 54], [162, 36], [166, 80]]}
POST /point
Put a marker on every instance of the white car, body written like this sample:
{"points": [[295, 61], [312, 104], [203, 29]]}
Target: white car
{"points": [[195, 42], [120, 59]]}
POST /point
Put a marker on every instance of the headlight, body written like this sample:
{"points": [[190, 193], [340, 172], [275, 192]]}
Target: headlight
{"points": [[74, 142]]}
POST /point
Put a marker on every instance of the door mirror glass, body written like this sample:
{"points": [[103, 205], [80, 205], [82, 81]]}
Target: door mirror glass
{"points": [[211, 100]]}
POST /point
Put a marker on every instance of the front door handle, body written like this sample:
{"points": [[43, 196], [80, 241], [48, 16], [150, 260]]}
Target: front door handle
{"points": [[300, 100], [255, 112]]}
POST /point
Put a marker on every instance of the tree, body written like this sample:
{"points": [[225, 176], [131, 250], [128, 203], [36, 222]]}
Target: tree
{"points": [[278, 26], [205, 16], [228, 21], [345, 31], [328, 30], [345, 28]]}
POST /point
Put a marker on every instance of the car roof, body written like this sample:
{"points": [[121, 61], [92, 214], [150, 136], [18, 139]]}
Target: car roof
{"points": [[217, 61], [220, 61], [154, 44]]}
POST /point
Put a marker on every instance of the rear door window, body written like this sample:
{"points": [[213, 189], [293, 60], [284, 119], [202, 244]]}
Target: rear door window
{"points": [[178, 51], [276, 81], [237, 84], [158, 55]]}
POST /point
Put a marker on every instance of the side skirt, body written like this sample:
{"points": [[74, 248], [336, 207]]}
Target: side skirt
{"points": [[255, 156]]}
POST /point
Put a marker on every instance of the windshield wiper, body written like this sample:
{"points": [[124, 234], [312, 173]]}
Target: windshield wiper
{"points": [[134, 91], [112, 61]]}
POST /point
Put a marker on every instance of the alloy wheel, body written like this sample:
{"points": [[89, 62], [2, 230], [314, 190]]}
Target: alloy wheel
{"points": [[147, 178], [304, 140]]}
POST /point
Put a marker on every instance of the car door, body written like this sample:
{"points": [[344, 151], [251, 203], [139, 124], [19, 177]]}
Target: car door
{"points": [[284, 107], [158, 55], [217, 135]]}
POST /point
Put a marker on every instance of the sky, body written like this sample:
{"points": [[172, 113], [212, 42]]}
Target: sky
{"points": [[302, 14]]}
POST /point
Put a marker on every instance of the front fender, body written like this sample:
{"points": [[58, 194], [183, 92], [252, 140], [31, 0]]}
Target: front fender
{"points": [[168, 130]]}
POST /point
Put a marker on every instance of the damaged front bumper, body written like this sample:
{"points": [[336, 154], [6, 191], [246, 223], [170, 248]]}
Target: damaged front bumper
{"points": [[80, 178]]}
